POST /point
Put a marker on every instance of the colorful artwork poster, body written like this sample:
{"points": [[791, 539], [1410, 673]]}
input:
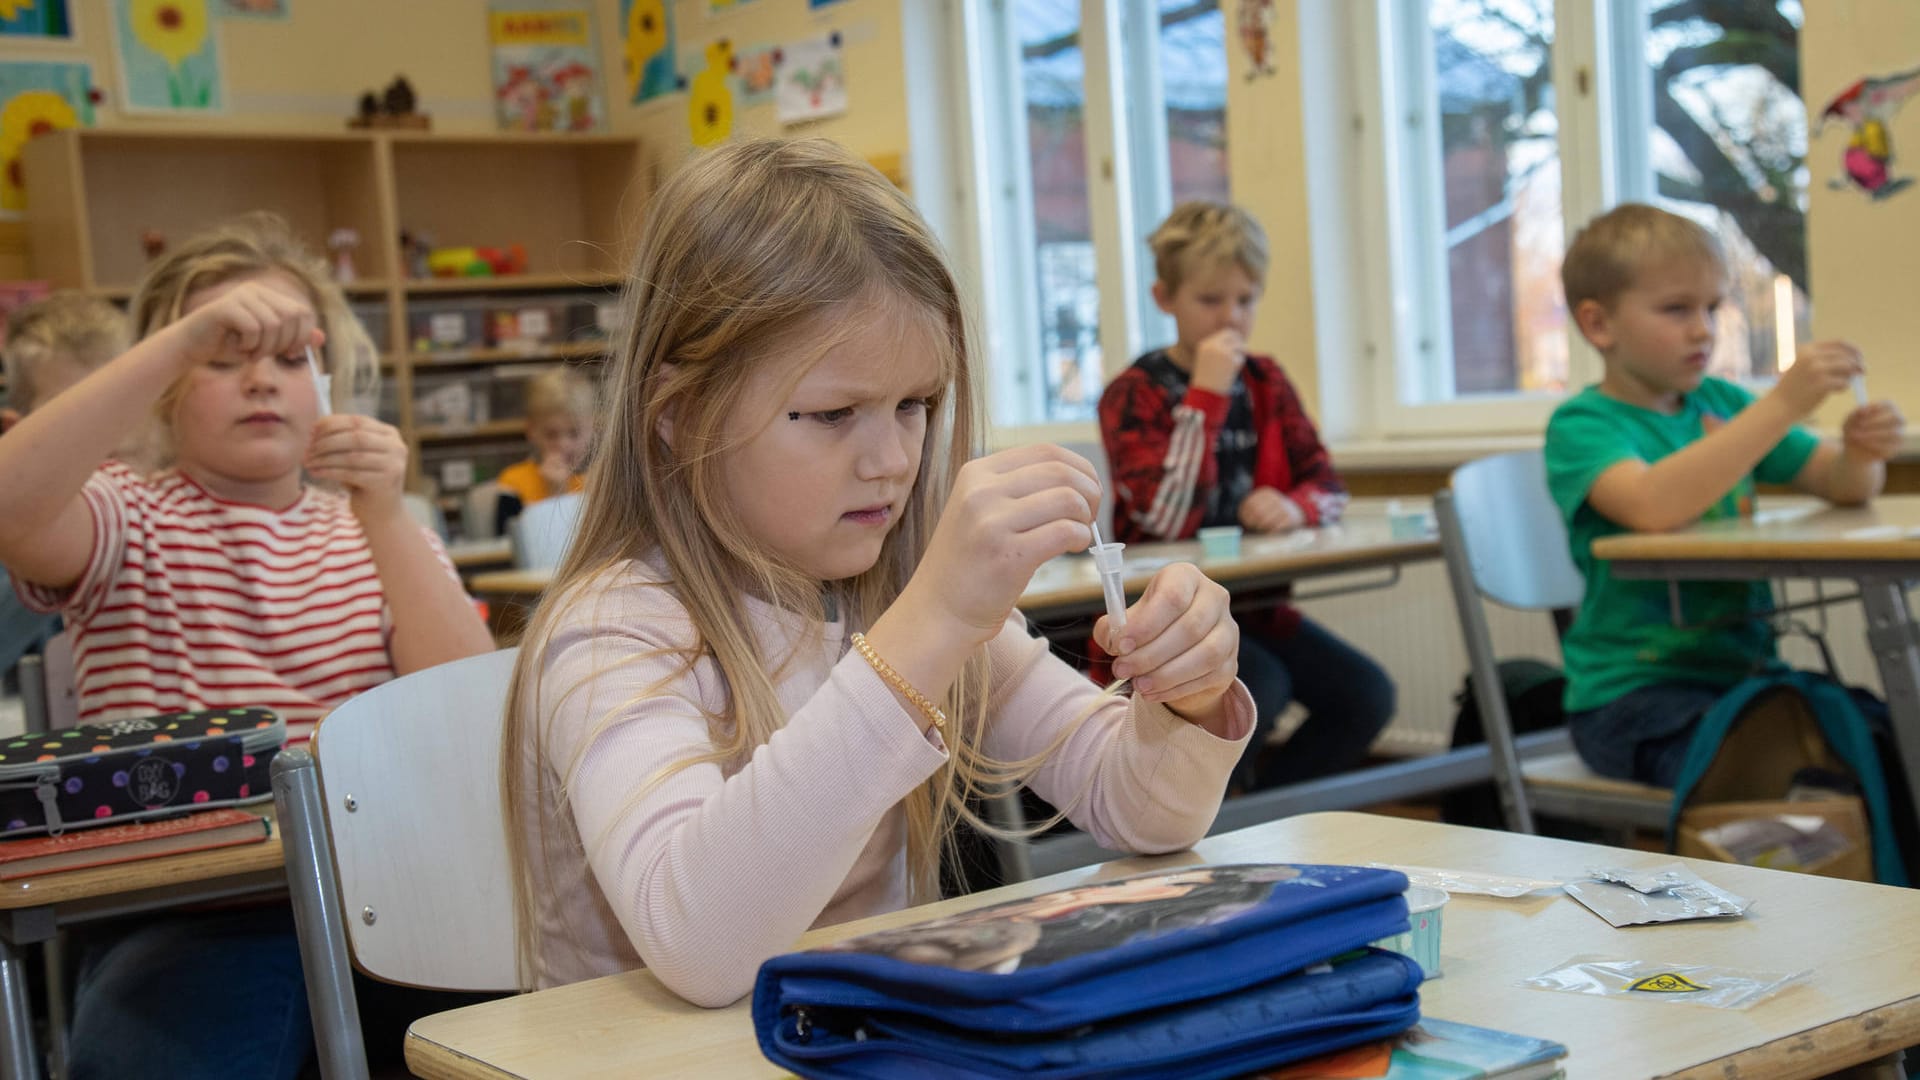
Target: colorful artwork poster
{"points": [[47, 20], [36, 98], [1866, 108], [710, 94], [754, 75], [810, 82], [1256, 36], [169, 56], [546, 72], [254, 9], [647, 49], [820, 3], [721, 7]]}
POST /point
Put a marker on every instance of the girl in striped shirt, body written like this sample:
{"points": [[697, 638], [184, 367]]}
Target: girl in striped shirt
{"points": [[226, 579]]}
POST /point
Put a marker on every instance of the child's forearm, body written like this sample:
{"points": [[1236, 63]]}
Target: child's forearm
{"points": [[1679, 488], [433, 620], [48, 456]]}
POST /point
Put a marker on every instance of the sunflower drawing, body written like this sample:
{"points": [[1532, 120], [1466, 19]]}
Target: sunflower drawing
{"points": [[28, 113], [709, 101], [13, 9], [646, 37], [175, 31]]}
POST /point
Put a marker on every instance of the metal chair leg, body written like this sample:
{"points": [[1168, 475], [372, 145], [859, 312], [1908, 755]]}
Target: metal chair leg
{"points": [[324, 955]]}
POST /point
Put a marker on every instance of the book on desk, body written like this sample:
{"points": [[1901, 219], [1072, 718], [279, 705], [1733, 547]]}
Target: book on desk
{"points": [[1433, 1050], [109, 844]]}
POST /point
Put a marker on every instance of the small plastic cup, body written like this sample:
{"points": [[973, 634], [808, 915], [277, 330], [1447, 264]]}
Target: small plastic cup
{"points": [[1220, 542], [1422, 941]]}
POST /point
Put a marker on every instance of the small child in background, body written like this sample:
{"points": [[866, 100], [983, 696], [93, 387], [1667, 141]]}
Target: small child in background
{"points": [[1203, 433], [1660, 444], [783, 650], [560, 407], [52, 344], [224, 580]]}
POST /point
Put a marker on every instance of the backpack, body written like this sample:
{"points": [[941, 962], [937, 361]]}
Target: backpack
{"points": [[1533, 691], [1762, 733]]}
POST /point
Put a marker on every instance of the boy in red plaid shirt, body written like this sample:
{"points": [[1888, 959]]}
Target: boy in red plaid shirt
{"points": [[1202, 433]]}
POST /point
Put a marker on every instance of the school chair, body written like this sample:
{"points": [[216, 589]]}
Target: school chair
{"points": [[395, 847], [542, 531], [49, 696], [1503, 541]]}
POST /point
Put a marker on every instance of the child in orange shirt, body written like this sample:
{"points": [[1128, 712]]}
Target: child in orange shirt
{"points": [[560, 406]]}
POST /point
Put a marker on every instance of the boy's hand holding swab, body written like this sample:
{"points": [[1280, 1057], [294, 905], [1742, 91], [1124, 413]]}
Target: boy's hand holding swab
{"points": [[1266, 510], [1180, 647], [1820, 369]]}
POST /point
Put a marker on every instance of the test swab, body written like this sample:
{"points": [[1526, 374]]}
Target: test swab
{"points": [[1859, 389], [1107, 560], [322, 384]]}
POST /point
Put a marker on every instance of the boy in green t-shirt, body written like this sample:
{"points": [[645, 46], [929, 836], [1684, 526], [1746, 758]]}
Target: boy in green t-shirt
{"points": [[1659, 444]]}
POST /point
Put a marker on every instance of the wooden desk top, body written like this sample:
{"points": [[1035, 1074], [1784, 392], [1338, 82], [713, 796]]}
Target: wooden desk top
{"points": [[468, 554], [1861, 944], [1887, 530], [164, 871], [1363, 541]]}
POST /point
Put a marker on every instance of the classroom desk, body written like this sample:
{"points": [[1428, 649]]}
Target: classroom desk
{"points": [[1860, 942], [1069, 586], [34, 909], [480, 554], [1877, 547]]}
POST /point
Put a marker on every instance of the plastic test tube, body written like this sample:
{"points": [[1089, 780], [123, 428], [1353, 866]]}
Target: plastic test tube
{"points": [[1859, 389], [1107, 560], [322, 384]]}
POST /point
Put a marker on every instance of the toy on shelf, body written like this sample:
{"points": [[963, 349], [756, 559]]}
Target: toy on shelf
{"points": [[394, 108], [477, 261], [414, 246], [153, 242], [342, 242]]}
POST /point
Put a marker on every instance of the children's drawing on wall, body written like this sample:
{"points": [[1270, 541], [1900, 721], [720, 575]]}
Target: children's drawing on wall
{"points": [[1868, 107], [545, 68], [1256, 36], [42, 19], [254, 9], [810, 83], [753, 75], [646, 49], [721, 7], [169, 56], [710, 96], [36, 98]]}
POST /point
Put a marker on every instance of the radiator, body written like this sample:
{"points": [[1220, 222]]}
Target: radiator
{"points": [[1411, 629]]}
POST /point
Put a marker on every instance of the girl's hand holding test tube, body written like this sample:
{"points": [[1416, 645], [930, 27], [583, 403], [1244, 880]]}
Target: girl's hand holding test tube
{"points": [[1011, 511]]}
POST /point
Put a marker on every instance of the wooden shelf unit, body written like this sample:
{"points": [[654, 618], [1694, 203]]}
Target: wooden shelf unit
{"points": [[574, 203]]}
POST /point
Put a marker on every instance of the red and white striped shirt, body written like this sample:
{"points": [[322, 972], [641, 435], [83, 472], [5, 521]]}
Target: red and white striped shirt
{"points": [[190, 601]]}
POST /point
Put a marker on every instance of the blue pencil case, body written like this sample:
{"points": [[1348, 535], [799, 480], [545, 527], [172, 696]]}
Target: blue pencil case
{"points": [[1211, 971]]}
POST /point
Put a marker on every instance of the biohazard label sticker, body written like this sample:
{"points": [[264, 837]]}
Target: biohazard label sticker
{"points": [[1667, 982]]}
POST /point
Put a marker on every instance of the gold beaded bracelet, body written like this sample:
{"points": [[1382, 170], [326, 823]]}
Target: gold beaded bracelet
{"points": [[894, 679]]}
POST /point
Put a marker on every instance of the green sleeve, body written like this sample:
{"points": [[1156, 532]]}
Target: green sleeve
{"points": [[1582, 443], [1788, 456]]}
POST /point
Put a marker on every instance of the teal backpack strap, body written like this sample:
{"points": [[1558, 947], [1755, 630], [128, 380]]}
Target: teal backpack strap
{"points": [[1846, 732], [1707, 737]]}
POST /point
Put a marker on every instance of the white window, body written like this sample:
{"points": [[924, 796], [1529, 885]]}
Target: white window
{"points": [[1490, 130], [1088, 120]]}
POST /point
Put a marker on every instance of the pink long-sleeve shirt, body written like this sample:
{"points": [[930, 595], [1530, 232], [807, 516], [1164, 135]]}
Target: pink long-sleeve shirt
{"points": [[707, 874]]}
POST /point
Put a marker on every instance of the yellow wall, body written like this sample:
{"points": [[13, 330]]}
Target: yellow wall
{"points": [[1264, 155], [1864, 256]]}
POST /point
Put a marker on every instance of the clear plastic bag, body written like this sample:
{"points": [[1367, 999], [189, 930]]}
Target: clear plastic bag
{"points": [[1669, 893], [1653, 980], [1472, 881]]}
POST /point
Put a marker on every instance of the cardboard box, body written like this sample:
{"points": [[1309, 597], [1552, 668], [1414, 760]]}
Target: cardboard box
{"points": [[1845, 816]]}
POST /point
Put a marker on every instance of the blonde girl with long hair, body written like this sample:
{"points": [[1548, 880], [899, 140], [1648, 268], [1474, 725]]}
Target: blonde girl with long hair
{"points": [[226, 580], [782, 650]]}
